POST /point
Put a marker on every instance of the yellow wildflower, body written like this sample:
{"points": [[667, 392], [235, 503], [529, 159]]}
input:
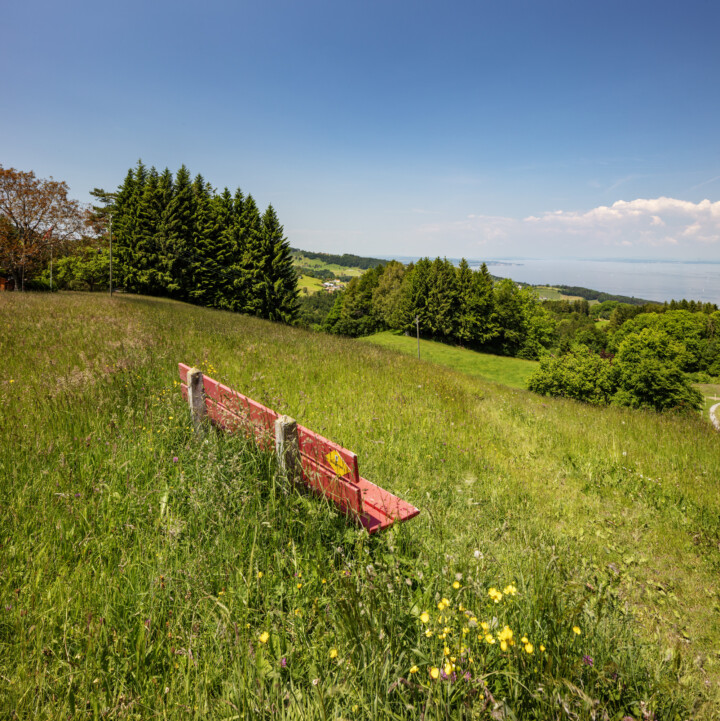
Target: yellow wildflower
{"points": [[576, 629], [333, 653], [434, 672], [424, 616], [495, 595], [414, 669], [448, 669], [428, 633], [528, 648], [456, 585], [489, 638], [503, 645], [506, 634], [542, 648], [264, 636], [260, 574], [524, 639], [510, 590], [485, 626], [446, 651]]}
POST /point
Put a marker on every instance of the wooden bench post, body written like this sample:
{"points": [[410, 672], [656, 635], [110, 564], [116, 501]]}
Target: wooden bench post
{"points": [[196, 398], [287, 449]]}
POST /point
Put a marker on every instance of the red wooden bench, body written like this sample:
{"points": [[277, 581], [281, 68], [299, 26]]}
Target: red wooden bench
{"points": [[326, 467]]}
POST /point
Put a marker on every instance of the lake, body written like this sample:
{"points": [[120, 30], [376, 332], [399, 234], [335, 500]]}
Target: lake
{"points": [[651, 280]]}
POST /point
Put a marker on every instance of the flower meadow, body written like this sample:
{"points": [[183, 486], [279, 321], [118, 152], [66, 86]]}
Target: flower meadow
{"points": [[146, 571]]}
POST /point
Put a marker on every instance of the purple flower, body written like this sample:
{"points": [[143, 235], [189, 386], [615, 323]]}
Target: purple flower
{"points": [[467, 676], [175, 459], [588, 660], [77, 495], [283, 662]]}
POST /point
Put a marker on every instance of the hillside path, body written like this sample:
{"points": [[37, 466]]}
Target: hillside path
{"points": [[714, 416]]}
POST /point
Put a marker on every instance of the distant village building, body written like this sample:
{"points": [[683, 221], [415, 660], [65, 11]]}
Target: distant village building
{"points": [[333, 285]]}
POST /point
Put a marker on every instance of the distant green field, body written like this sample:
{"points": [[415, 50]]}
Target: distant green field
{"points": [[548, 292], [313, 285], [317, 264], [711, 394], [512, 372]]}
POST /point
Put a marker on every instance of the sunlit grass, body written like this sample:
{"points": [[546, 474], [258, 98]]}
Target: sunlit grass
{"points": [[512, 372], [145, 572], [308, 284]]}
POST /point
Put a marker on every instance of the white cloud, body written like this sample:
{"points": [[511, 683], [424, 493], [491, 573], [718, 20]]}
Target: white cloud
{"points": [[661, 227]]}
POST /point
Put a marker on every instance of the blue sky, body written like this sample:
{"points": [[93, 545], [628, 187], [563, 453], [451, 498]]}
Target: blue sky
{"points": [[479, 129]]}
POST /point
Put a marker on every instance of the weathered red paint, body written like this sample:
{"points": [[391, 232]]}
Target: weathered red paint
{"points": [[316, 448], [374, 507]]}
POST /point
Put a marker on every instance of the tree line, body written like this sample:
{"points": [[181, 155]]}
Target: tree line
{"points": [[176, 236], [347, 260], [446, 303]]}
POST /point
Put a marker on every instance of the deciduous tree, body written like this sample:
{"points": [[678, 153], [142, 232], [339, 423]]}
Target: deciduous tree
{"points": [[37, 218]]}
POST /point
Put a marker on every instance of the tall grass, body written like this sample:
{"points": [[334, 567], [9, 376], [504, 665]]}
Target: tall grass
{"points": [[147, 572]]}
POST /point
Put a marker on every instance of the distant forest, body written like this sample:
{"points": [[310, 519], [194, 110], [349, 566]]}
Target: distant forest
{"points": [[589, 294], [346, 260]]}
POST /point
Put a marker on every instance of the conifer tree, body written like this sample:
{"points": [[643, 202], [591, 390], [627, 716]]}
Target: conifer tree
{"points": [[145, 255], [179, 222], [161, 277], [386, 300], [204, 270], [415, 302], [248, 267], [279, 287], [475, 305], [222, 219], [125, 211], [442, 299]]}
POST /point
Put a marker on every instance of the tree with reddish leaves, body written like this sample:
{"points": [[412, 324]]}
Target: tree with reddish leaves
{"points": [[36, 219]]}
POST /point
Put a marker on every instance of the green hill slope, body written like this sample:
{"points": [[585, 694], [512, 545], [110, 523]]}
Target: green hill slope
{"points": [[512, 372], [144, 572]]}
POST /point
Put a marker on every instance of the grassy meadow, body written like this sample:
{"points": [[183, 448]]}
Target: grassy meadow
{"points": [[549, 292], [565, 564], [512, 372], [318, 264], [308, 284]]}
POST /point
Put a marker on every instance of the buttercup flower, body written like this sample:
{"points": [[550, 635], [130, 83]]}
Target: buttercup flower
{"points": [[264, 636]]}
